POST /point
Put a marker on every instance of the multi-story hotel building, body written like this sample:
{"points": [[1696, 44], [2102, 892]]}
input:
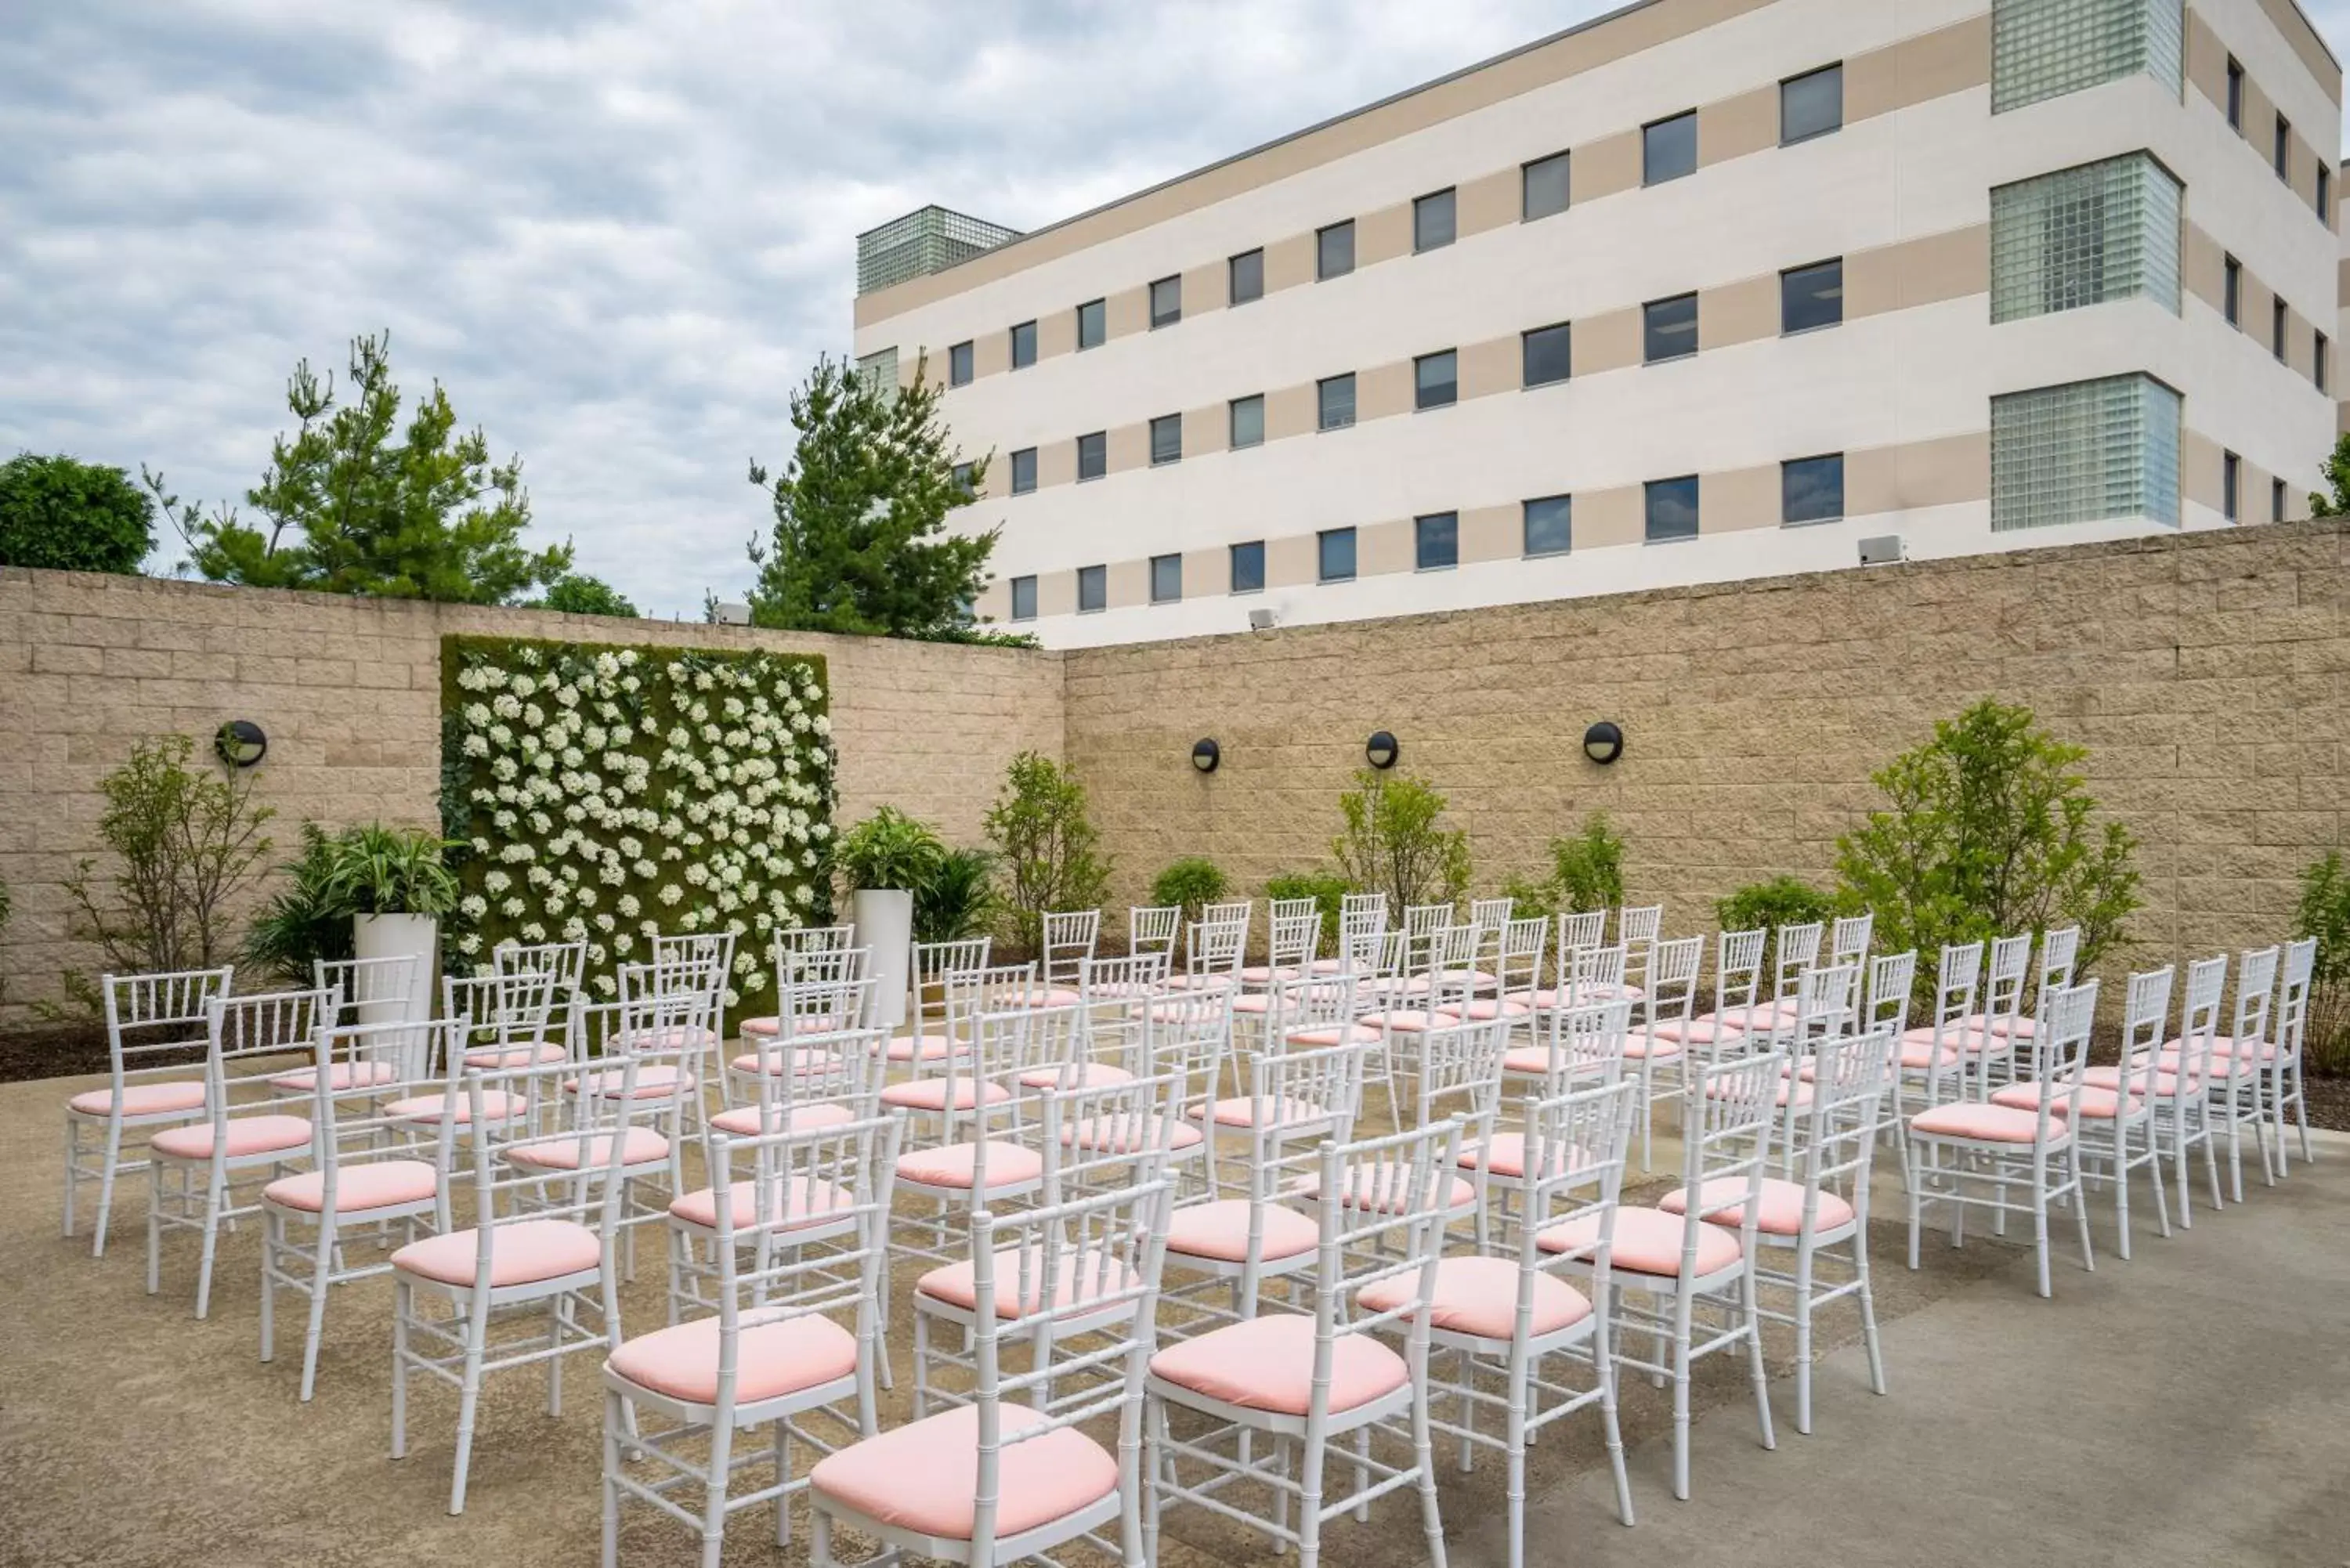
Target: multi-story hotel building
{"points": [[1702, 289]]}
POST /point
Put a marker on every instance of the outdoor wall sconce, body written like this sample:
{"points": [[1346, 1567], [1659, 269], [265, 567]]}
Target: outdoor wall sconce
{"points": [[1381, 750], [1205, 755], [240, 743], [1603, 742]]}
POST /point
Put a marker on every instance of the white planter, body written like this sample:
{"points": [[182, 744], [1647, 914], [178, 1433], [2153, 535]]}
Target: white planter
{"points": [[415, 936], [885, 923]]}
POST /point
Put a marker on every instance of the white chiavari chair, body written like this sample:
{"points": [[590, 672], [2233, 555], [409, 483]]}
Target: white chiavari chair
{"points": [[792, 1337], [829, 994], [1070, 937], [152, 1022], [1827, 1007], [515, 1017], [2232, 1080], [1311, 1380], [1153, 928], [1360, 927], [968, 1148], [2182, 1085], [368, 991], [1458, 1076], [251, 1129], [1936, 1057], [2000, 1026], [1430, 998], [1213, 952], [1955, 1150], [565, 962], [1578, 929], [932, 966], [1849, 939], [1794, 950], [1421, 921], [1637, 932], [1665, 1034], [1291, 944], [1515, 951], [653, 1034], [2280, 1084], [2058, 950]]}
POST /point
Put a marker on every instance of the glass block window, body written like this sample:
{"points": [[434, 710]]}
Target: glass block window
{"points": [[2079, 452], [879, 370], [2046, 48], [2081, 236]]}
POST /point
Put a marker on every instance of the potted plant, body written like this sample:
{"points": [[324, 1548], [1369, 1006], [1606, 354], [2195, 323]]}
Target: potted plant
{"points": [[393, 884], [881, 861]]}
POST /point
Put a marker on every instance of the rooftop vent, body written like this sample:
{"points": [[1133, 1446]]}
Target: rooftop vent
{"points": [[929, 239]]}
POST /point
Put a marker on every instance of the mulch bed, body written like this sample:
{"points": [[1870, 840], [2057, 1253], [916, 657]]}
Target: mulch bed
{"points": [[66, 1051]]}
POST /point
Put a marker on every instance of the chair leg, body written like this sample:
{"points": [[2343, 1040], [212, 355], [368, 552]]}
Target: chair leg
{"points": [[2080, 1210], [1749, 1301], [1867, 1294], [272, 1236], [782, 1441], [1603, 1355], [1803, 1341], [402, 1302], [469, 1397], [612, 1419], [2040, 1229], [215, 1197], [321, 1281], [1431, 1517], [2121, 1190], [713, 1501], [113, 1156], [154, 1227], [1309, 1506], [1680, 1397], [73, 1169]]}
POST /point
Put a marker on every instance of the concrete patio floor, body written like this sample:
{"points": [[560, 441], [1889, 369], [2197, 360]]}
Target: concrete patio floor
{"points": [[2184, 1408]]}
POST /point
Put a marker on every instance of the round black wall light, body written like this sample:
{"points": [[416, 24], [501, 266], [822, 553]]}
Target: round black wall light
{"points": [[240, 743], [1603, 742], [1381, 750], [1205, 755]]}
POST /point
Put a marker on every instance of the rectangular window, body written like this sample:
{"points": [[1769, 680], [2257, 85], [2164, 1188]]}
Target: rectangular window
{"points": [[2277, 317], [2085, 451], [1333, 551], [2046, 48], [1546, 355], [962, 477], [1166, 440], [2231, 291], [2276, 500], [1093, 589], [2231, 479], [2082, 236], [1668, 328], [1166, 579], [2284, 155], [959, 365], [1436, 541], [1248, 421], [1166, 302], [1248, 567], [1093, 323], [1023, 598], [2320, 351], [1432, 220], [1023, 346], [1333, 251], [1549, 525], [2324, 194], [1334, 400], [1672, 508], [1542, 187], [1811, 489], [1023, 471], [1435, 380], [1093, 455], [2235, 94], [1811, 297], [1668, 149], [1811, 105], [1245, 274]]}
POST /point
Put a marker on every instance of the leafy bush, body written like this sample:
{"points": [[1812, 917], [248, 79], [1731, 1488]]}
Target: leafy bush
{"points": [[888, 850], [1046, 842], [1987, 831], [1587, 873], [72, 516], [2324, 913], [1780, 901], [185, 845], [1326, 889], [304, 921], [1190, 882], [958, 901], [379, 870], [1393, 842], [579, 594]]}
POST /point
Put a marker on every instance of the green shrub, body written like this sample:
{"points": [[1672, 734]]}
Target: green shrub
{"points": [[1780, 901], [1192, 882], [958, 901], [2324, 913], [1988, 830], [72, 516], [1326, 889], [1046, 844], [888, 850], [1586, 872], [379, 870], [1394, 842], [304, 921]]}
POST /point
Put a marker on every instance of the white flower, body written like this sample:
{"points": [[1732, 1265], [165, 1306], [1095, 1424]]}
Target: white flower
{"points": [[497, 881], [468, 944], [627, 906], [671, 893], [474, 746], [534, 932], [522, 686], [473, 906], [512, 908]]}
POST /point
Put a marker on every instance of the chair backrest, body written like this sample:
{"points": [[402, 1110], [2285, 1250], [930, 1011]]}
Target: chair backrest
{"points": [[1295, 939], [1459, 1075], [1595, 972], [370, 989], [2058, 950], [1386, 1202], [1369, 949], [678, 971], [1307, 1095], [566, 961], [2010, 966], [355, 1070], [1070, 937], [1364, 904], [1445, 978], [1096, 1136], [2256, 975], [1152, 929], [1837, 1132], [815, 938], [2145, 1020], [1578, 929], [929, 966], [2060, 1055], [1738, 973], [669, 1007], [151, 1018], [1212, 949], [2292, 997], [1670, 995], [1275, 909], [1584, 1042], [1094, 1258], [241, 1034], [1892, 977], [697, 948], [1849, 937], [1639, 923], [1573, 1174], [2199, 1030], [1240, 909], [1954, 1004], [1518, 958], [1726, 1124], [795, 1072], [503, 1116], [1828, 1004], [1797, 949], [1306, 1002]]}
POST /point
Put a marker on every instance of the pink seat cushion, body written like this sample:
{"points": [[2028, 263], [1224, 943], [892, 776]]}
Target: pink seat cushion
{"points": [[1264, 975], [1267, 1364], [1531, 1060], [792, 1205], [1219, 1230], [1077, 1279], [246, 1136], [2229, 1045], [1386, 1187], [1008, 1165], [1956, 1041], [1983, 1124], [496, 1104], [749, 1121], [141, 1100], [923, 1476], [1050, 996], [1074, 1075], [517, 1057], [1407, 1021], [342, 1075], [1703, 1030], [922, 1048], [799, 1062], [1647, 1241], [521, 1252], [1334, 1034], [2164, 1079], [931, 1094], [1557, 995], [655, 1080], [1328, 966], [1256, 1002], [643, 1145], [1640, 1048], [771, 1359], [377, 1185], [1486, 1009], [1126, 1135], [1480, 1296], [1782, 1208], [2105, 1104], [1245, 1111], [807, 1023], [1505, 1154]]}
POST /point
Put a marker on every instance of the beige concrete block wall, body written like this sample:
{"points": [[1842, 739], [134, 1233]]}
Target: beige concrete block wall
{"points": [[2206, 671], [348, 691]]}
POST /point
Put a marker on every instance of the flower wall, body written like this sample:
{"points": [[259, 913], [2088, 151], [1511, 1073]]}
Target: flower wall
{"points": [[610, 793]]}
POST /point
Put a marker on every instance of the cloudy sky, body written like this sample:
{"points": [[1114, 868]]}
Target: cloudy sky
{"points": [[619, 231]]}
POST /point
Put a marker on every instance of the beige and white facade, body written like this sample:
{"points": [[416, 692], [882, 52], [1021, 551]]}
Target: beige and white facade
{"points": [[2040, 210]]}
